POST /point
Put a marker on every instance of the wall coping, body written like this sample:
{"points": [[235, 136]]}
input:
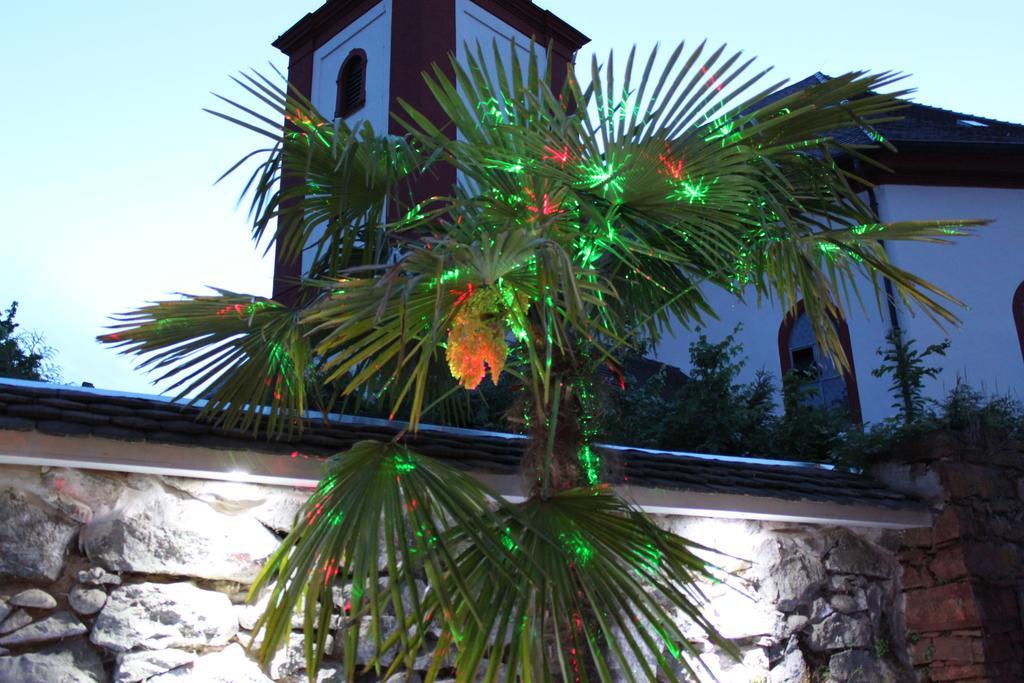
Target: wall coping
{"points": [[242, 465]]}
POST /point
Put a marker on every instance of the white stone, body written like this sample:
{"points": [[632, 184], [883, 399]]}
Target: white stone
{"points": [[737, 615], [274, 506], [230, 665], [155, 531], [85, 600], [98, 576], [157, 616], [790, 573], [838, 632], [55, 627], [15, 621], [855, 666], [70, 662], [140, 666], [33, 598], [75, 494], [792, 668], [34, 537], [4, 611], [854, 555]]}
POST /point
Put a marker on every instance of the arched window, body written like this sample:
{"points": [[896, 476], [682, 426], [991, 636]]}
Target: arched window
{"points": [[799, 350], [1018, 314], [351, 84]]}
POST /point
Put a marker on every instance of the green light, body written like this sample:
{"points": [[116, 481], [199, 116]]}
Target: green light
{"points": [[866, 228], [603, 174], [508, 541], [692, 191], [591, 464], [650, 559], [447, 276], [723, 129], [578, 546], [404, 463]]}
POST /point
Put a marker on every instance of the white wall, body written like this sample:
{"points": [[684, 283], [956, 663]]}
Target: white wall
{"points": [[474, 25], [370, 33], [760, 334], [983, 271]]}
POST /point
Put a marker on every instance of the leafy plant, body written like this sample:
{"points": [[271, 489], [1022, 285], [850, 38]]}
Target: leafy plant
{"points": [[25, 355], [584, 218], [907, 370]]}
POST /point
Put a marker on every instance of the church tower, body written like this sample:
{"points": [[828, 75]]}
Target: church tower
{"points": [[354, 59]]}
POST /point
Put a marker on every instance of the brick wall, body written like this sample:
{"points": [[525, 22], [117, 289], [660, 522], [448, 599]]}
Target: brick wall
{"points": [[963, 579]]}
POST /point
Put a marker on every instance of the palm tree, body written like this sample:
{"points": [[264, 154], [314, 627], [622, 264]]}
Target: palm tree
{"points": [[584, 219]]}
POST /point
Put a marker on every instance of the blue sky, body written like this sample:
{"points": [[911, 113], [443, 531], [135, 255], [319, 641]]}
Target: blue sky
{"points": [[109, 161]]}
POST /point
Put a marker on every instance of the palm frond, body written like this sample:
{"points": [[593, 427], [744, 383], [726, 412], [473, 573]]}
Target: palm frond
{"points": [[379, 522], [245, 356], [602, 592]]}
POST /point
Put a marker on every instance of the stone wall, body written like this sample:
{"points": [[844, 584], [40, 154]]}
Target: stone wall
{"points": [[122, 577], [964, 578]]}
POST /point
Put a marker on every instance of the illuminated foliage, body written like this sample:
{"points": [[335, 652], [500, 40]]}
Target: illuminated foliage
{"points": [[476, 340], [583, 218]]}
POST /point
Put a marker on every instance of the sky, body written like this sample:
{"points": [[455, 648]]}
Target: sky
{"points": [[109, 161]]}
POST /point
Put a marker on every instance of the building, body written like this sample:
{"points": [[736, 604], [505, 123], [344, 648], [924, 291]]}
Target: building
{"points": [[948, 165], [356, 59]]}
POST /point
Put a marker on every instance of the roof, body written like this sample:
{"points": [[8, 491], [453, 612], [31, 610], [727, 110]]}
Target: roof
{"points": [[81, 412], [524, 13], [924, 124]]}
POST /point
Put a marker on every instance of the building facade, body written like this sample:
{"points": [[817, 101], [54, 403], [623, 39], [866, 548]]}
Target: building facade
{"points": [[358, 59]]}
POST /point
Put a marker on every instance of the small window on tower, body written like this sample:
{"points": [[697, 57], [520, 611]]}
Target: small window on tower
{"points": [[351, 84]]}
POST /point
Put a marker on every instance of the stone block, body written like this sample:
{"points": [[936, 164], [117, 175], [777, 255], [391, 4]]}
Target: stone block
{"points": [[953, 649], [34, 537], [59, 626], [86, 600], [157, 532], [33, 598], [942, 608], [993, 560], [948, 564], [855, 666], [133, 667], [156, 616], [948, 525], [16, 620], [230, 665], [840, 632], [68, 662], [854, 555], [793, 576], [941, 673]]}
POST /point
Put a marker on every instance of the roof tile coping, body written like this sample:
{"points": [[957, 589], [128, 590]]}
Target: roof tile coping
{"points": [[28, 405]]}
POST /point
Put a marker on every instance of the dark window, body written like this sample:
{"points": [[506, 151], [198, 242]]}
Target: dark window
{"points": [[351, 84], [808, 357], [799, 351]]}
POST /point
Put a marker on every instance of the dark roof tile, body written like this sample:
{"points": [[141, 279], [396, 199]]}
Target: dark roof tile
{"points": [[140, 419]]}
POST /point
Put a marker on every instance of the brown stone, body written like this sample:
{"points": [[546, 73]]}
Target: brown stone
{"points": [[949, 564], [918, 538], [915, 577], [948, 526], [949, 649], [964, 480], [942, 608], [993, 560], [922, 652], [961, 673]]}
